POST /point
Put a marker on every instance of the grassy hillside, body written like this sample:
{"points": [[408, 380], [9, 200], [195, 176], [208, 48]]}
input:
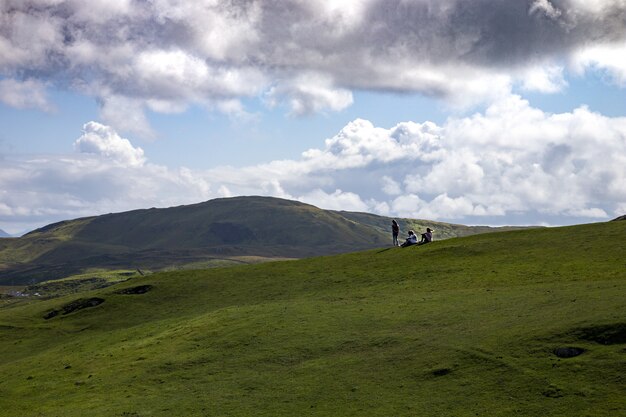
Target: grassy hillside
{"points": [[216, 232], [221, 230], [460, 327]]}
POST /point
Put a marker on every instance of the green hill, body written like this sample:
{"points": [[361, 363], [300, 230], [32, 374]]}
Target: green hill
{"points": [[213, 233], [221, 229], [485, 325]]}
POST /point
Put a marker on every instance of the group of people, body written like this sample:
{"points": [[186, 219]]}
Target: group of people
{"points": [[427, 236]]}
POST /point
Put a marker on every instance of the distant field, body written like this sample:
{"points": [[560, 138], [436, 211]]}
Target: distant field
{"points": [[524, 323]]}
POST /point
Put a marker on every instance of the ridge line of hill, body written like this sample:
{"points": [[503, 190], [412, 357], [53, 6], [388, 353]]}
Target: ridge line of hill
{"points": [[205, 234]]}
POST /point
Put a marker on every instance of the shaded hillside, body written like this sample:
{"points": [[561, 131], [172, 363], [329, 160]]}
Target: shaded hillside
{"points": [[158, 238], [527, 323]]}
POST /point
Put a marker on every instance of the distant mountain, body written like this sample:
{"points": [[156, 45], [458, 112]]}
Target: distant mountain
{"points": [[620, 218], [159, 238], [236, 229], [4, 234]]}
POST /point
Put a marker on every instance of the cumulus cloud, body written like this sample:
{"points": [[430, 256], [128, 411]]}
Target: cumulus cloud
{"points": [[102, 140], [308, 55], [511, 161]]}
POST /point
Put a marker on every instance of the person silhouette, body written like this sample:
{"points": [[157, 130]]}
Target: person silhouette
{"points": [[395, 231]]}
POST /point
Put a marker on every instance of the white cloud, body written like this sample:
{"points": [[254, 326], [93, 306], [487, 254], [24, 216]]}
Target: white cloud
{"points": [[309, 93], [127, 115], [544, 79], [545, 7], [29, 94], [607, 58], [102, 140], [337, 200], [390, 186]]}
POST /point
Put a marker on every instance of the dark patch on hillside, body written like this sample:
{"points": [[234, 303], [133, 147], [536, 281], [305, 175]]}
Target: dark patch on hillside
{"points": [[611, 334], [76, 305], [619, 218], [568, 352], [140, 289], [441, 371], [231, 233]]}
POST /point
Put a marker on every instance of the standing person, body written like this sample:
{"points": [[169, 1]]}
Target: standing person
{"points": [[427, 237], [395, 230], [411, 240]]}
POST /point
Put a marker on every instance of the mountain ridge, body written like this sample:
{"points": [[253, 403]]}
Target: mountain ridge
{"points": [[224, 228]]}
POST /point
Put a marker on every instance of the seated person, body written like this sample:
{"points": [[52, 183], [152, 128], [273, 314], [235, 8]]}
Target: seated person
{"points": [[411, 240], [426, 237]]}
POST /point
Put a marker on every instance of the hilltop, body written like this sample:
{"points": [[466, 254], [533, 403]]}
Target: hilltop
{"points": [[221, 229], [217, 232], [521, 323], [4, 234]]}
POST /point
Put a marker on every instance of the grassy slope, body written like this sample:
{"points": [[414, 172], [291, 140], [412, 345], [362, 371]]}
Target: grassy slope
{"points": [[460, 327], [220, 230]]}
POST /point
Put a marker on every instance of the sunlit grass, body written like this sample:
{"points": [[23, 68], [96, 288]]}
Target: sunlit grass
{"points": [[462, 327]]}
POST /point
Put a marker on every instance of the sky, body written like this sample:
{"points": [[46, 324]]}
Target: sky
{"points": [[491, 112]]}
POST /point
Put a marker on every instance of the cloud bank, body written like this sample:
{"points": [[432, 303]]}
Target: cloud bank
{"points": [[305, 54], [512, 161]]}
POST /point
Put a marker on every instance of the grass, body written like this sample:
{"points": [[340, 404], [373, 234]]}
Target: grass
{"points": [[223, 262], [461, 327], [92, 280]]}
